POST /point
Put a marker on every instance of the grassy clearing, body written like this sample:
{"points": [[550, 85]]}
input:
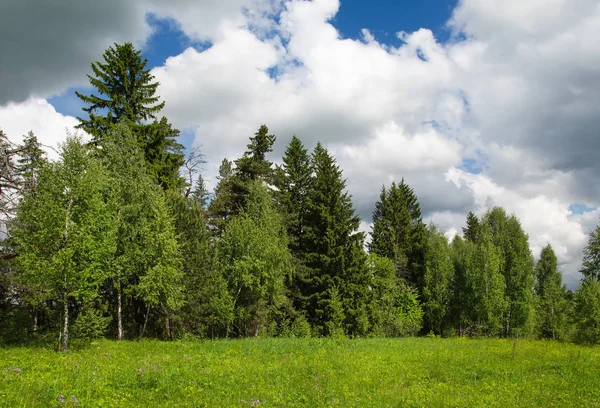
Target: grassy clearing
{"points": [[313, 373]]}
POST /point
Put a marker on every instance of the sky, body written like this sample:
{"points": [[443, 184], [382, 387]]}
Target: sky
{"points": [[474, 103]]}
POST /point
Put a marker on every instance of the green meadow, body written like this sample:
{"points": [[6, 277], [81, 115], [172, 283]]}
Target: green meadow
{"points": [[407, 372]]}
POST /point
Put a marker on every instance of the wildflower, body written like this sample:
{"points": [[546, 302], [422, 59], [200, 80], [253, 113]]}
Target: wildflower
{"points": [[61, 398], [74, 399]]}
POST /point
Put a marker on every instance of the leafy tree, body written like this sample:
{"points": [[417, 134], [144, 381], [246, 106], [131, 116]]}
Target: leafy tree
{"points": [[551, 297], [65, 230], [399, 233], [462, 302], [332, 248], [146, 266], [396, 310], [516, 266], [591, 256], [471, 231], [127, 93], [487, 285], [31, 159], [439, 271], [253, 258], [587, 312]]}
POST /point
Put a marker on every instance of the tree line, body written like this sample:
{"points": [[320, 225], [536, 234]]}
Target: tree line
{"points": [[121, 238]]}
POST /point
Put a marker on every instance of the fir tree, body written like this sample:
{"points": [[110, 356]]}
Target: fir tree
{"points": [[127, 93], [471, 231], [333, 248], [591, 256], [221, 207], [399, 233]]}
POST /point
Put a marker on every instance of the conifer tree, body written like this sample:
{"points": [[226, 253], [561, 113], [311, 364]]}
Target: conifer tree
{"points": [[551, 297], [399, 232], [333, 248], [591, 256], [221, 207], [471, 231], [126, 93]]}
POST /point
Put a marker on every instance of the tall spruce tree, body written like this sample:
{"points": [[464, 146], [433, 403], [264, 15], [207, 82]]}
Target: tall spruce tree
{"points": [[126, 92], [471, 231], [591, 256], [399, 232], [551, 310], [221, 208], [333, 251]]}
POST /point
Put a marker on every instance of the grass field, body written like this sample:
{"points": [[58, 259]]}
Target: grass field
{"points": [[313, 373]]}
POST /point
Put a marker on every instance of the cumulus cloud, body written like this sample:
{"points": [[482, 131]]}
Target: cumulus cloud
{"points": [[515, 92], [37, 115]]}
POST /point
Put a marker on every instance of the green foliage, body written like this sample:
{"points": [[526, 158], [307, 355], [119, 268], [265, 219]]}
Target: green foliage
{"points": [[439, 271], [126, 94], [471, 231], [396, 310], [591, 256], [399, 233], [332, 248], [125, 88], [65, 230], [587, 312], [487, 286], [254, 260], [517, 267], [551, 302]]}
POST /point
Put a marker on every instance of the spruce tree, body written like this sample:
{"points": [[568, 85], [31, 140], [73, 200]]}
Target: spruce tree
{"points": [[333, 249], [551, 297], [471, 231], [126, 93], [591, 256], [221, 208], [399, 232]]}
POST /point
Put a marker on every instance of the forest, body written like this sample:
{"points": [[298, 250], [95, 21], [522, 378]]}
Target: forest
{"points": [[120, 238]]}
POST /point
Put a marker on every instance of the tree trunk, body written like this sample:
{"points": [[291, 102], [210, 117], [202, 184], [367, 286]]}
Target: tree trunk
{"points": [[168, 325], [35, 321], [65, 333], [145, 322], [119, 313]]}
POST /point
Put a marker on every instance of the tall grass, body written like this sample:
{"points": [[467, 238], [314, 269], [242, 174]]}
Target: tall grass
{"points": [[407, 372]]}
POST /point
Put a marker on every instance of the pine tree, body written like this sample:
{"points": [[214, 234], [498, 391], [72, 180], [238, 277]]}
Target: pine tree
{"points": [[591, 256], [551, 297], [333, 248], [471, 231], [127, 93]]}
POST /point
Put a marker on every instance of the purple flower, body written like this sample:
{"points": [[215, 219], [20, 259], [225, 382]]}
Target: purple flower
{"points": [[61, 398], [74, 399]]}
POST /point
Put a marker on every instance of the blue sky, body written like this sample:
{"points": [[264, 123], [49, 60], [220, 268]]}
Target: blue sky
{"points": [[504, 114]]}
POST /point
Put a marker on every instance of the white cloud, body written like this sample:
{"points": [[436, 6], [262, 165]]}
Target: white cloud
{"points": [[37, 115]]}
